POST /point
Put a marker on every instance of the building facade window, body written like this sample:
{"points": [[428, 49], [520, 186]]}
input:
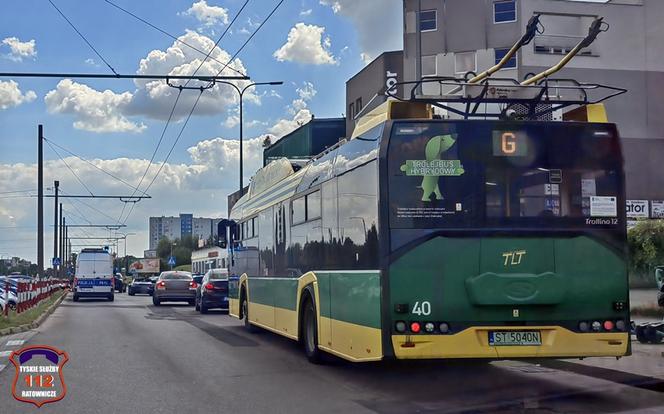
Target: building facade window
{"points": [[504, 11], [428, 20], [500, 54], [429, 67], [351, 111], [465, 62], [358, 106]]}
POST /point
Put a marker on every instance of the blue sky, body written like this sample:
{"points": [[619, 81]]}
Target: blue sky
{"points": [[314, 46]]}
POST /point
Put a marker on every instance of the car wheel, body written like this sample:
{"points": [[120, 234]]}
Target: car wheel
{"points": [[75, 297], [111, 298], [192, 302], [12, 306], [130, 293], [204, 309], [156, 301], [197, 307], [310, 333]]}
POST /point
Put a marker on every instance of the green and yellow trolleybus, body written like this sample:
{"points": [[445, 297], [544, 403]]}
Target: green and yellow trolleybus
{"points": [[421, 237]]}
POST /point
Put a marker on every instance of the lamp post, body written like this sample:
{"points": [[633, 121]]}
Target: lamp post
{"points": [[124, 237], [241, 93], [172, 245]]}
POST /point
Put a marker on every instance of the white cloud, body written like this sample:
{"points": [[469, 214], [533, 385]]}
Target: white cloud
{"points": [[108, 111], [232, 121], [94, 111], [305, 13], [370, 17], [306, 44], [11, 95], [208, 15], [306, 92], [155, 98], [20, 50], [286, 126]]}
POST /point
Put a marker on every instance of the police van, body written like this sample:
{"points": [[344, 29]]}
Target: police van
{"points": [[94, 275]]}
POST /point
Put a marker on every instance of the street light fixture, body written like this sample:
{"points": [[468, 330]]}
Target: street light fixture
{"points": [[241, 94], [124, 237]]}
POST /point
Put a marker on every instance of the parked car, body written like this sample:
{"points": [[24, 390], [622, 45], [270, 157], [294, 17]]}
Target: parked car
{"points": [[10, 300], [141, 286], [119, 283], [212, 292], [174, 286]]}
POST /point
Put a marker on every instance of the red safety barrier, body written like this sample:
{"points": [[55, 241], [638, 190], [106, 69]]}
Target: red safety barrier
{"points": [[30, 294]]}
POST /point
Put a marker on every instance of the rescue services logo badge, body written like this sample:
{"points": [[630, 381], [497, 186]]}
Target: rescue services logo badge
{"points": [[39, 378]]}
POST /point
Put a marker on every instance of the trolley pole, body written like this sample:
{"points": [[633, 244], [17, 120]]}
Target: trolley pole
{"points": [[40, 201], [56, 185]]}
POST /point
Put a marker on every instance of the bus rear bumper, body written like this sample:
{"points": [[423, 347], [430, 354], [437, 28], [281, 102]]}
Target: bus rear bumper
{"points": [[557, 342]]}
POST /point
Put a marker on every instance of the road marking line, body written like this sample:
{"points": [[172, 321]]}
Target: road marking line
{"points": [[5, 353], [16, 342], [2, 367]]}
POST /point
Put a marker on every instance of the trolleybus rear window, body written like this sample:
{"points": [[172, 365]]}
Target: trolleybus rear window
{"points": [[493, 174]]}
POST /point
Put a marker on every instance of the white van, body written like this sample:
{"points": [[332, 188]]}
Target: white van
{"points": [[94, 275]]}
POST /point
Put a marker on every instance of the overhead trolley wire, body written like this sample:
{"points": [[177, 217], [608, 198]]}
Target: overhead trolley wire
{"points": [[83, 37], [94, 165], [207, 55], [70, 169], [168, 34]]}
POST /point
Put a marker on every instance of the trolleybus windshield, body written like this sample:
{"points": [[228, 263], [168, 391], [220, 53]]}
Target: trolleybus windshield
{"points": [[498, 174]]}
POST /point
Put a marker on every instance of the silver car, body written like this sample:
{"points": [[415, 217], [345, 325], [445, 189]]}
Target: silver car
{"points": [[174, 286]]}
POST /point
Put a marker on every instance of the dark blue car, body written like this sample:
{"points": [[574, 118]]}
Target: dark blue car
{"points": [[212, 292]]}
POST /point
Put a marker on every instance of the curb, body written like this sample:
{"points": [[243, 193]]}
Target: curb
{"points": [[35, 324]]}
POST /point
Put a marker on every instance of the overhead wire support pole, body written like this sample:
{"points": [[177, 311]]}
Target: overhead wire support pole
{"points": [[56, 184], [40, 201]]}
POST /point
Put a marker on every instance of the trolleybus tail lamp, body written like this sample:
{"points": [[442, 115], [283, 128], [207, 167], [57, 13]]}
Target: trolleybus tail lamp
{"points": [[584, 326], [620, 325], [400, 326], [444, 327], [608, 325], [415, 327], [597, 326], [429, 327]]}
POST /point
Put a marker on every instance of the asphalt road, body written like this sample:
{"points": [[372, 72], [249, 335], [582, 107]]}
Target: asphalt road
{"points": [[129, 357]]}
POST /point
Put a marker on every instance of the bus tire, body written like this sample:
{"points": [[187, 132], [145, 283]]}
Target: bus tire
{"points": [[310, 332], [244, 307]]}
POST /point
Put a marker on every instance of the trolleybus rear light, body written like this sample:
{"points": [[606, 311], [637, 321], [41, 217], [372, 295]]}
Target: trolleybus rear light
{"points": [[620, 325], [400, 326], [444, 327], [429, 327], [584, 326], [597, 326], [415, 327], [608, 325]]}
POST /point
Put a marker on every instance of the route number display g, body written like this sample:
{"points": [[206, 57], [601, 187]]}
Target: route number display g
{"points": [[510, 144]]}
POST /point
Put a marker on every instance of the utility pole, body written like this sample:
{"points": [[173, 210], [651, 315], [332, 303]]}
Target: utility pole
{"points": [[56, 185], [40, 201], [62, 242]]}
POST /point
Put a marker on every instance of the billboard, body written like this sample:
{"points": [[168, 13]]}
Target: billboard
{"points": [[657, 209], [150, 254], [144, 266], [637, 209]]}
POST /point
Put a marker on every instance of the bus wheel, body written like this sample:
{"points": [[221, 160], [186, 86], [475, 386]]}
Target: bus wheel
{"points": [[310, 333], [245, 313]]}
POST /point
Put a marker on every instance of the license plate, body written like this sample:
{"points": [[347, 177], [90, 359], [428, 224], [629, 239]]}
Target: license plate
{"points": [[515, 338]]}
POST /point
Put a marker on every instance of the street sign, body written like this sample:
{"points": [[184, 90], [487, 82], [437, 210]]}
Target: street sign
{"points": [[55, 261], [171, 260]]}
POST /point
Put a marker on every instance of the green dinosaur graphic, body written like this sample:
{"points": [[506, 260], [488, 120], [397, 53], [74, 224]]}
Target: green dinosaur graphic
{"points": [[434, 167]]}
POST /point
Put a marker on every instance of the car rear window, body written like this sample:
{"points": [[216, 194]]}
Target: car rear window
{"points": [[218, 276], [176, 276]]}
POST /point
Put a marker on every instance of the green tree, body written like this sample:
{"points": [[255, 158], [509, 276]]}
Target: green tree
{"points": [[646, 250]]}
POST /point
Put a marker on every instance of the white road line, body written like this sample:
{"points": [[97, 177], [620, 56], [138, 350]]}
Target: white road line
{"points": [[17, 342], [5, 354], [2, 367]]}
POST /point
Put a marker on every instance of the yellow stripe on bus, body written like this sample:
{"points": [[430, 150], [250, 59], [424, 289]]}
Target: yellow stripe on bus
{"points": [[353, 342]]}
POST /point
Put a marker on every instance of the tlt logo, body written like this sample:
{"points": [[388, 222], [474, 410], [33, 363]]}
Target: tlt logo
{"points": [[513, 258]]}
